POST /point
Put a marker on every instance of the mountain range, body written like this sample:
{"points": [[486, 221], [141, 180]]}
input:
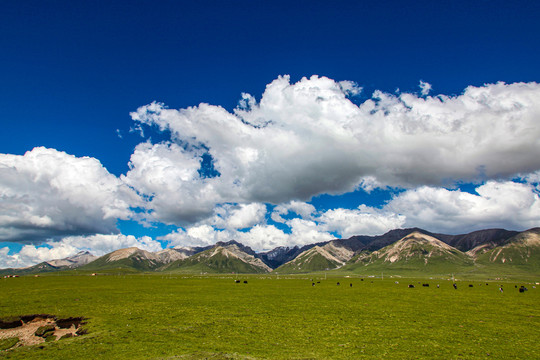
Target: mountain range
{"points": [[411, 250]]}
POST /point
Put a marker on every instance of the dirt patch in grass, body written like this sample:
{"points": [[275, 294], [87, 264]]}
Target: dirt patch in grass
{"points": [[210, 356], [35, 329]]}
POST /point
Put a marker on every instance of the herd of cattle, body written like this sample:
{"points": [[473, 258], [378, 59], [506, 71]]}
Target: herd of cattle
{"points": [[521, 289]]}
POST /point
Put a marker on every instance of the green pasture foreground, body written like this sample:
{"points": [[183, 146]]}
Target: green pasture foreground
{"points": [[196, 317]]}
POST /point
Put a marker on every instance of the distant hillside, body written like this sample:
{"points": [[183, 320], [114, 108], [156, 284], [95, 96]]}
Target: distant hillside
{"points": [[72, 262], [412, 250], [373, 243], [75, 261], [326, 257], [137, 259], [279, 256], [467, 242], [223, 258], [521, 251], [43, 267], [415, 252]]}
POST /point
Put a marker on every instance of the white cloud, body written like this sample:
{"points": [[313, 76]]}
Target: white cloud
{"points": [[197, 235], [300, 140], [264, 238], [240, 216], [506, 204], [350, 88], [7, 260], [260, 237], [533, 178], [308, 138], [103, 244], [49, 194], [362, 221], [31, 255], [425, 88], [301, 208], [307, 232], [168, 176]]}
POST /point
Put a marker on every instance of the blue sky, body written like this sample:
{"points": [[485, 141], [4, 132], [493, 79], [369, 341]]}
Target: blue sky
{"points": [[103, 136]]}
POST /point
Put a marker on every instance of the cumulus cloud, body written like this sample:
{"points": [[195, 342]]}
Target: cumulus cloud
{"points": [[344, 222], [309, 138], [425, 88], [362, 221], [350, 88], [260, 237], [307, 232], [500, 204], [300, 140], [533, 178], [31, 255], [197, 235], [264, 238], [301, 208], [506, 204], [167, 175], [47, 194], [100, 244], [228, 216]]}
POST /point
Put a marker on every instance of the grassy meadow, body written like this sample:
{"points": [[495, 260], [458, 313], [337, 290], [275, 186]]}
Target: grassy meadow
{"points": [[135, 316]]}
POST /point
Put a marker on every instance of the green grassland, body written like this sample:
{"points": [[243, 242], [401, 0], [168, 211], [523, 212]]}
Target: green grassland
{"points": [[164, 316], [414, 266]]}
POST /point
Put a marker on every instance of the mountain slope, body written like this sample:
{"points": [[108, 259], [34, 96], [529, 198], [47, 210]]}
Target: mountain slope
{"points": [[495, 251], [43, 267], [318, 258], [373, 243], [130, 258], [467, 242], [416, 252], [279, 256], [71, 262], [173, 254], [224, 258], [521, 251]]}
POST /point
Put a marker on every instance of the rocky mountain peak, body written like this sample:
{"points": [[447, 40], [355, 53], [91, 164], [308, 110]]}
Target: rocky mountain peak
{"points": [[233, 244]]}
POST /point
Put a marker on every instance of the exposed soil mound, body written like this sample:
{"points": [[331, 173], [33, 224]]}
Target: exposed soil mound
{"points": [[27, 330]]}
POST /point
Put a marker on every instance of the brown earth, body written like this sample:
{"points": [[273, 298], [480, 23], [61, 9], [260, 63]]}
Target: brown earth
{"points": [[24, 328]]}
